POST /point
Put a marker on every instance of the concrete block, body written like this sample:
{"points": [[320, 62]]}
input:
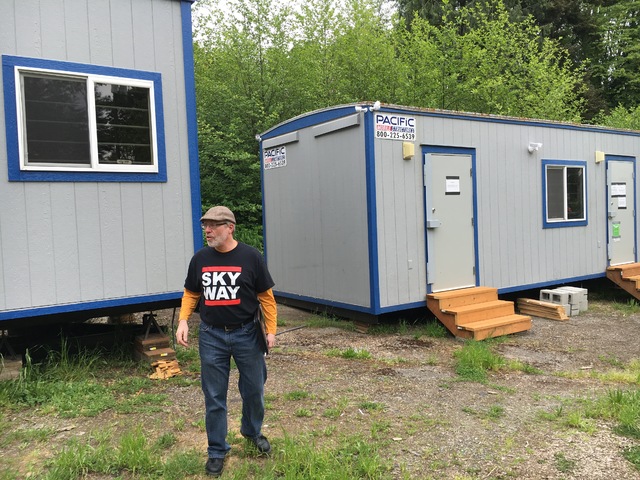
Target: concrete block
{"points": [[579, 296]]}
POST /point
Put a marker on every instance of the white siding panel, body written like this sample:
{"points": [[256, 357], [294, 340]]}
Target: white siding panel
{"points": [[28, 40], [155, 242], [51, 28], [8, 30], [40, 243], [100, 33], [134, 238], [112, 242], [65, 243], [122, 33], [15, 247], [90, 238], [77, 31]]}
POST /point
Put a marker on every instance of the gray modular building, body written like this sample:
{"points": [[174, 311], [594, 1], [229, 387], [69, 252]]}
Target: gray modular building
{"points": [[99, 183], [369, 208]]}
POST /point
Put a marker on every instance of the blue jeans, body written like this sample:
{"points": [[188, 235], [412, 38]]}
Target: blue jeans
{"points": [[216, 349]]}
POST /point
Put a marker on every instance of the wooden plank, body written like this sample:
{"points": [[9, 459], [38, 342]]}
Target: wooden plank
{"points": [[542, 309]]}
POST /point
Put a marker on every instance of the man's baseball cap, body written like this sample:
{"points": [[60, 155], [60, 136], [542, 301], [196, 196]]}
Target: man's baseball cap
{"points": [[219, 214]]}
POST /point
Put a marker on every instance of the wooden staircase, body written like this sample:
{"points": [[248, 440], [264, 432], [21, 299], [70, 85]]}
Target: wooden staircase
{"points": [[476, 313], [626, 276]]}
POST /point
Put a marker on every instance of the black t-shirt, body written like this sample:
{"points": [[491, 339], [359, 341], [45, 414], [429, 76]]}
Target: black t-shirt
{"points": [[229, 283]]}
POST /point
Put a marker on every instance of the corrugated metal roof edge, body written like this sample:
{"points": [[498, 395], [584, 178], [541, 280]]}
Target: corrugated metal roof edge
{"points": [[459, 114]]}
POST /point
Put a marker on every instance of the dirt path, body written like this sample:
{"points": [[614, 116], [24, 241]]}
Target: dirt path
{"points": [[408, 396]]}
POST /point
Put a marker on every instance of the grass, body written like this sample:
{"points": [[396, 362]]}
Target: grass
{"points": [[89, 384], [628, 308], [349, 353], [475, 359]]}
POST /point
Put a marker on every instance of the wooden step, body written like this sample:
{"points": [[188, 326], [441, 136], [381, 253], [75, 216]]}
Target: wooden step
{"points": [[626, 270], [480, 311], [627, 277], [476, 313], [464, 296], [497, 327]]}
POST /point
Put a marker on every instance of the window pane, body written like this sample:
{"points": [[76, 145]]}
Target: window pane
{"points": [[56, 117], [124, 131], [575, 193], [555, 193]]}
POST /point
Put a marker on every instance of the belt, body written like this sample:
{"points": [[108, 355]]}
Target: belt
{"points": [[230, 328]]}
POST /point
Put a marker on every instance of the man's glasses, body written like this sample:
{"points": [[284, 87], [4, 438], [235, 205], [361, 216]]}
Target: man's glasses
{"points": [[211, 225]]}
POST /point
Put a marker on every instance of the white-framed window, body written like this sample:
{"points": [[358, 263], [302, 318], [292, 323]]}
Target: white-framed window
{"points": [[565, 193], [83, 122]]}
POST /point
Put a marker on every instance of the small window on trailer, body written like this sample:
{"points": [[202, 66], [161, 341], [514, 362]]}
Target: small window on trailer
{"points": [[565, 198], [76, 120]]}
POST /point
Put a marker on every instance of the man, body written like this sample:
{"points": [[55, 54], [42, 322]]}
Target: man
{"points": [[230, 280]]}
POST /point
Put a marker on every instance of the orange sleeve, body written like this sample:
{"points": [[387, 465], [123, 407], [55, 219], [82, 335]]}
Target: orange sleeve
{"points": [[189, 302], [269, 311]]}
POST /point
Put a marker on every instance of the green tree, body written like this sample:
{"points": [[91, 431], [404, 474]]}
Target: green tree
{"points": [[495, 66]]}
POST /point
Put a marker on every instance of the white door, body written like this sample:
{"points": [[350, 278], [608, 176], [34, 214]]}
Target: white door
{"points": [[621, 212], [449, 197]]}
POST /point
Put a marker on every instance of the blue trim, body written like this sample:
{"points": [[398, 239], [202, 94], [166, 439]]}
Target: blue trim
{"points": [[478, 117], [567, 223], [262, 191], [372, 215], [426, 149], [79, 307], [621, 158], [560, 281], [192, 124], [13, 157], [309, 120]]}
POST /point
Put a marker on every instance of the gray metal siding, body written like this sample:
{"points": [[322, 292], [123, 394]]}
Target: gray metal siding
{"points": [[514, 249], [400, 217], [77, 242], [316, 235]]}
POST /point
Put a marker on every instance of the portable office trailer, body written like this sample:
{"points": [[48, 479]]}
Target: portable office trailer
{"points": [[99, 185], [368, 208]]}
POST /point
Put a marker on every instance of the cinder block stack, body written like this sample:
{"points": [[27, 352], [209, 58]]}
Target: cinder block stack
{"points": [[573, 299]]}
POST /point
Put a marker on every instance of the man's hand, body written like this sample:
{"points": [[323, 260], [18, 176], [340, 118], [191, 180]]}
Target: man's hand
{"points": [[182, 333], [271, 340]]}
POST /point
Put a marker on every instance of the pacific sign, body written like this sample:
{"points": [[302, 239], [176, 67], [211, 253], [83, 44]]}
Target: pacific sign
{"points": [[274, 157], [395, 127]]}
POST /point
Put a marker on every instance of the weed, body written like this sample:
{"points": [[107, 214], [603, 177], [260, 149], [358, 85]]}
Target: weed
{"points": [[474, 359], [434, 330], [371, 406], [332, 413], [296, 395], [630, 307], [563, 464], [350, 353], [303, 412], [495, 412], [166, 440], [633, 455]]}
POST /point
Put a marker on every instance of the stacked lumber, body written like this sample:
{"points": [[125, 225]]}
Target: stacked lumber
{"points": [[542, 309], [165, 369]]}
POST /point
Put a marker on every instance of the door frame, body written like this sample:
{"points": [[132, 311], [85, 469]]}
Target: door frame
{"points": [[437, 149], [621, 158]]}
